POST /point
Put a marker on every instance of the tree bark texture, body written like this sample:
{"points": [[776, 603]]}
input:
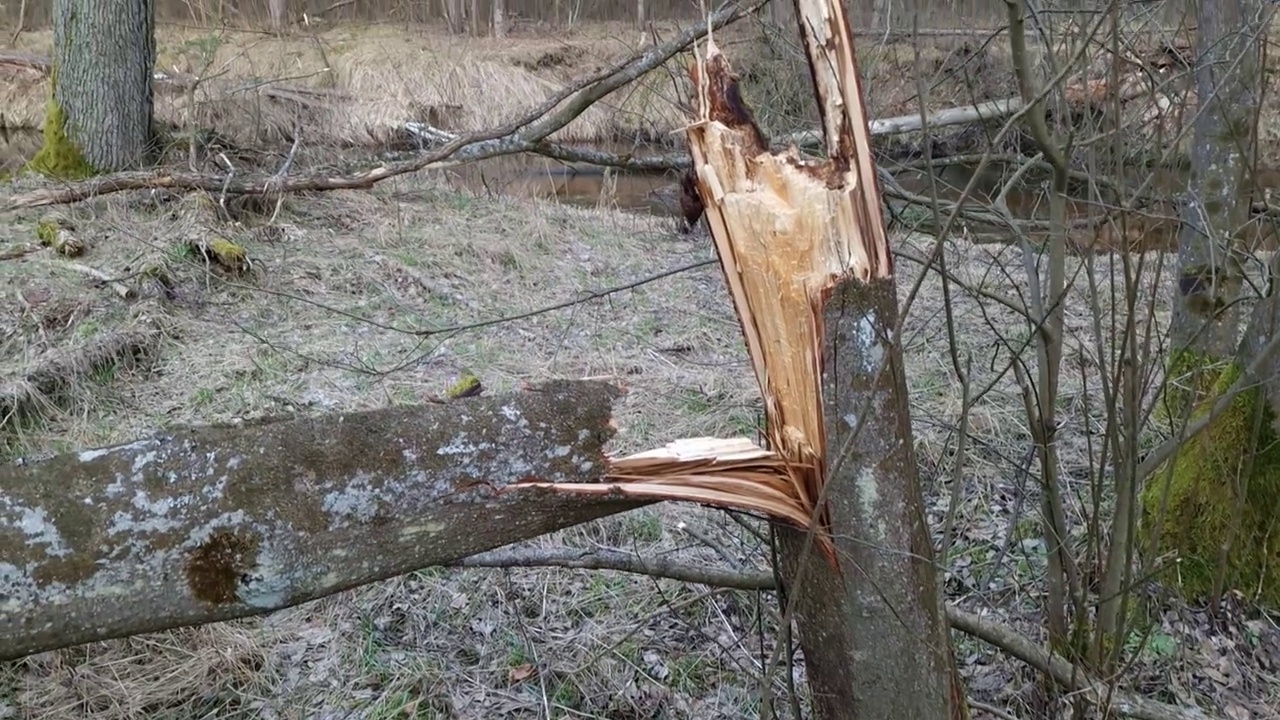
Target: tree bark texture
{"points": [[212, 523], [499, 18], [279, 11], [876, 643], [808, 263], [1206, 322], [104, 53]]}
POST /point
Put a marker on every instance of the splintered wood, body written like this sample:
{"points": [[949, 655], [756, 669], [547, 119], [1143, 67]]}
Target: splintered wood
{"points": [[788, 232]]}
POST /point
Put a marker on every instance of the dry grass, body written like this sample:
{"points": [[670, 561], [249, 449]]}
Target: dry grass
{"points": [[362, 83], [454, 643], [359, 84]]}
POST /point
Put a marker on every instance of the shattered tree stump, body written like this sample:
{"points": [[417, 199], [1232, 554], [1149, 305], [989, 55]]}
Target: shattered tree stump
{"points": [[806, 258]]}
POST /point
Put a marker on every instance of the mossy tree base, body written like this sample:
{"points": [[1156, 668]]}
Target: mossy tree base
{"points": [[59, 158], [1195, 507]]}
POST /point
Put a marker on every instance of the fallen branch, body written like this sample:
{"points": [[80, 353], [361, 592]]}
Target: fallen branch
{"points": [[17, 251], [206, 524], [982, 112], [54, 372], [1067, 675], [119, 288], [198, 525], [26, 61], [610, 559], [523, 135]]}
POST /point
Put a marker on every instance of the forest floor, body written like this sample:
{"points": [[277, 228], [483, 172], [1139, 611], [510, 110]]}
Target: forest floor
{"points": [[312, 327], [306, 331]]}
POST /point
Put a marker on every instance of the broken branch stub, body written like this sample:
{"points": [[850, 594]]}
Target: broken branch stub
{"points": [[212, 523]]}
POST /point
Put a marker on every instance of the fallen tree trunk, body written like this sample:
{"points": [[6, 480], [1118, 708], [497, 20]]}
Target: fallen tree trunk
{"points": [[981, 112], [208, 524], [205, 524]]}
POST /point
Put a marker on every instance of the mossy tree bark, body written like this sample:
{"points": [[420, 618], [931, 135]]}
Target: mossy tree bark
{"points": [[1217, 507], [205, 524], [102, 99]]}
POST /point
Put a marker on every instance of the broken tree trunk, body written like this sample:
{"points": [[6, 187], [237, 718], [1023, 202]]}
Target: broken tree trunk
{"points": [[207, 524], [806, 257]]}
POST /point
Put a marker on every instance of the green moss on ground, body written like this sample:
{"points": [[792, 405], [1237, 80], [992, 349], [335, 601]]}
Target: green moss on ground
{"points": [[1201, 494], [47, 231]]}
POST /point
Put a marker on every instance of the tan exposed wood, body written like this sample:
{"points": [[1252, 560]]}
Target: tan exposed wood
{"points": [[807, 261]]}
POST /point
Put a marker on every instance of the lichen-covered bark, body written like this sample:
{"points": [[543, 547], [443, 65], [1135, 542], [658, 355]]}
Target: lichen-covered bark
{"points": [[1206, 323], [876, 644], [212, 523], [104, 53]]}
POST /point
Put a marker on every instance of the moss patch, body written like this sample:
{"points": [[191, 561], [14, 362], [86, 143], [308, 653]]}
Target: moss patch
{"points": [[1201, 496], [1190, 378], [222, 252], [59, 157]]}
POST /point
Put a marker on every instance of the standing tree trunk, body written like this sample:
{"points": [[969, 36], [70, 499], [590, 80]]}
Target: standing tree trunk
{"points": [[1220, 504], [278, 10], [881, 14], [99, 113], [454, 15], [499, 18], [1206, 320], [475, 19], [807, 259]]}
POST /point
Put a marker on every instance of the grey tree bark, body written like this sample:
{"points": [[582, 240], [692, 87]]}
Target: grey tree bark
{"points": [[279, 11], [876, 642], [104, 53], [1206, 322], [207, 524], [499, 18]]}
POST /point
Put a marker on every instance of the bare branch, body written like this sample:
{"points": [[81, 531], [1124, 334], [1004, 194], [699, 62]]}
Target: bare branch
{"points": [[1062, 672], [610, 559], [1066, 674]]}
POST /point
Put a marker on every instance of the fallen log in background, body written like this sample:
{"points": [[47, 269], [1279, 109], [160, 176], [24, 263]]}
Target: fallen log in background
{"points": [[208, 524], [981, 112]]}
